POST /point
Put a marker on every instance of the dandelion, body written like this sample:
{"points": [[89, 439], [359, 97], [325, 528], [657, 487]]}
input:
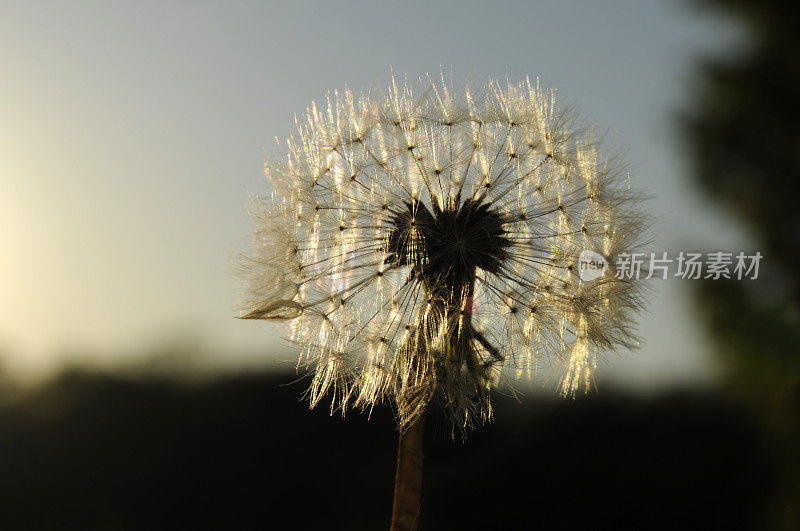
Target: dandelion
{"points": [[419, 241]]}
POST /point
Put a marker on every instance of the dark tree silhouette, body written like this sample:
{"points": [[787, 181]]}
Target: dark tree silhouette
{"points": [[745, 139]]}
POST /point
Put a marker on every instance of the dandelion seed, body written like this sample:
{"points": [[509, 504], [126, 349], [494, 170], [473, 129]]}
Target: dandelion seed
{"points": [[419, 243]]}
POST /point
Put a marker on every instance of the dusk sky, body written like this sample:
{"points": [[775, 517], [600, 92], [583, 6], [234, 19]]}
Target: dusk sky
{"points": [[132, 133]]}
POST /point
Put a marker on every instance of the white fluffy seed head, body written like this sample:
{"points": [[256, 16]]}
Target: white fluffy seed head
{"points": [[419, 240]]}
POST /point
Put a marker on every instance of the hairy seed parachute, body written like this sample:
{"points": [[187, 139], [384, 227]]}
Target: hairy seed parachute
{"points": [[419, 240]]}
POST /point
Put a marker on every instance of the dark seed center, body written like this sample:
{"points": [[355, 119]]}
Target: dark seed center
{"points": [[447, 246]]}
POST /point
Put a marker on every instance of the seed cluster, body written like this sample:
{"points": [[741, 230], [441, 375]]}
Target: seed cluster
{"points": [[418, 244]]}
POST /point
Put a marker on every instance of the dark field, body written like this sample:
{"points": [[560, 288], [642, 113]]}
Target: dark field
{"points": [[91, 451]]}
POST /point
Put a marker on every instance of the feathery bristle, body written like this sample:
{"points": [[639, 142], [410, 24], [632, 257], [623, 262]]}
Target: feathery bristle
{"points": [[419, 243]]}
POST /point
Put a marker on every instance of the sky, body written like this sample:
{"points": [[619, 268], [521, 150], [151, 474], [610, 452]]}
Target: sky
{"points": [[132, 133]]}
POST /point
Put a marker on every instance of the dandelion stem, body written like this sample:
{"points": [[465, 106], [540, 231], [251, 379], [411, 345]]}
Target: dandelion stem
{"points": [[408, 478]]}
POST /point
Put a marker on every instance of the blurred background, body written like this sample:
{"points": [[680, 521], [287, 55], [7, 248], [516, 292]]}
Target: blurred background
{"points": [[131, 135]]}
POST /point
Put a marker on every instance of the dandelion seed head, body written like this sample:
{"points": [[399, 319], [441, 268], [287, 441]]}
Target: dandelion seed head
{"points": [[421, 239]]}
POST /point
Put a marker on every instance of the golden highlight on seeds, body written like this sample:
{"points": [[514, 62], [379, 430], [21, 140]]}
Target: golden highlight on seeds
{"points": [[420, 240]]}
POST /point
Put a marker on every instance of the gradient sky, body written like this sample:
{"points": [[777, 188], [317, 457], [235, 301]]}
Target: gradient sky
{"points": [[132, 133]]}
